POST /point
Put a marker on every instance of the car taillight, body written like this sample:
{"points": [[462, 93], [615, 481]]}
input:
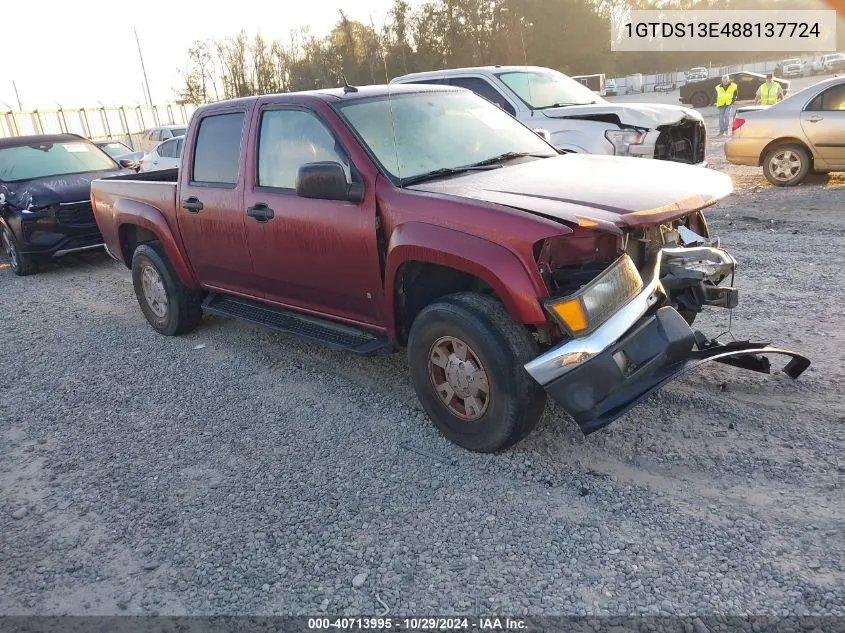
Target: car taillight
{"points": [[738, 123]]}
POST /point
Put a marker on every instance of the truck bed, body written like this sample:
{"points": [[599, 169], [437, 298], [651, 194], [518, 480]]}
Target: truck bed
{"points": [[148, 197], [161, 175]]}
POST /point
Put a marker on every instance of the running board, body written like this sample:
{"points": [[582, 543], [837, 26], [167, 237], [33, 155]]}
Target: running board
{"points": [[328, 333]]}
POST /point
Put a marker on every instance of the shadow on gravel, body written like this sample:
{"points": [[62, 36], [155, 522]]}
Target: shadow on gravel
{"points": [[89, 260]]}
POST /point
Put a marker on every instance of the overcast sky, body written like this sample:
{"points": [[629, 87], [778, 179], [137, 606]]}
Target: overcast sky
{"points": [[79, 52]]}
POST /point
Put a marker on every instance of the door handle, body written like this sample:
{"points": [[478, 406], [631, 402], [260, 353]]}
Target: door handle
{"points": [[815, 119], [261, 212], [192, 204]]}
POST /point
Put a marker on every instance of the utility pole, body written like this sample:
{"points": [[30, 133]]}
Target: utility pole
{"points": [[17, 96], [143, 69]]}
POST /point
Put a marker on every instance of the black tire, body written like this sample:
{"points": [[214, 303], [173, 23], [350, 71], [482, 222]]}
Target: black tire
{"points": [[514, 401], [793, 164], [700, 100], [21, 265], [176, 309]]}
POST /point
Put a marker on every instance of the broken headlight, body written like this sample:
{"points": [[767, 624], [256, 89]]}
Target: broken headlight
{"points": [[623, 139], [597, 301]]}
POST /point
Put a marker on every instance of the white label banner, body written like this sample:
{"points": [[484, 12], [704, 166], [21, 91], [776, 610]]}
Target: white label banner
{"points": [[778, 30]]}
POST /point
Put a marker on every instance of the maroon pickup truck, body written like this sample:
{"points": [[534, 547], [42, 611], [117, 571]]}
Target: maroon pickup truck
{"points": [[371, 219]]}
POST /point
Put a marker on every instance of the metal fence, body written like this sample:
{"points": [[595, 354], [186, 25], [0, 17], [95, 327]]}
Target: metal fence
{"points": [[668, 81], [122, 123]]}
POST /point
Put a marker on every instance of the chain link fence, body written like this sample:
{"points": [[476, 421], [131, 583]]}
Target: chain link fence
{"points": [[121, 123]]}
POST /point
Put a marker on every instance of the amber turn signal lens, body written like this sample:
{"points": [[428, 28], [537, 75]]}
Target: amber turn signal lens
{"points": [[572, 314]]}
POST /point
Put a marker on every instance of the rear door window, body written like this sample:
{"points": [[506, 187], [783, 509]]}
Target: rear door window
{"points": [[167, 149], [217, 151], [833, 99]]}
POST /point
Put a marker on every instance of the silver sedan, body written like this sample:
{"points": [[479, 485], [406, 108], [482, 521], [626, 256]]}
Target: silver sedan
{"points": [[805, 132]]}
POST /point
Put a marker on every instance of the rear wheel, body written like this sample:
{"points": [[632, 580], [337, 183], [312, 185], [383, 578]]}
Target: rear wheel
{"points": [[700, 100], [169, 306], [466, 358], [786, 165], [21, 264]]}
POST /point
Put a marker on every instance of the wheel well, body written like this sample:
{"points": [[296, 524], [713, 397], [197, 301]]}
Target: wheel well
{"points": [[420, 283], [785, 141], [132, 236]]}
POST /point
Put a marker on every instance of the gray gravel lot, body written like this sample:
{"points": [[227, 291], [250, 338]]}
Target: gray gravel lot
{"points": [[239, 471]]}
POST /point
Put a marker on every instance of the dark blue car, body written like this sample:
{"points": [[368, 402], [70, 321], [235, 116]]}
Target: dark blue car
{"points": [[45, 197]]}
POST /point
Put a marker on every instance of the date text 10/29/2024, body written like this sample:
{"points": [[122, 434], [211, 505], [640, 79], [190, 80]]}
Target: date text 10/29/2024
{"points": [[417, 624]]}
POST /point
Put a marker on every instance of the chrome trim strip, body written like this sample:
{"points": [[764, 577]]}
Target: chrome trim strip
{"points": [[81, 249], [110, 254], [567, 356]]}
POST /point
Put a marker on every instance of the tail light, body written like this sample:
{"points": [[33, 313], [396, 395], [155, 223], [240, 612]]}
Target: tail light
{"points": [[738, 123]]}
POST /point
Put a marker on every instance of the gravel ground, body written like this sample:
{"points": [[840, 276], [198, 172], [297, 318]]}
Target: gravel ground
{"points": [[238, 471]]}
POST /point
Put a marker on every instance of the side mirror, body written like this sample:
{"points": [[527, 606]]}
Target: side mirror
{"points": [[326, 181], [127, 163]]}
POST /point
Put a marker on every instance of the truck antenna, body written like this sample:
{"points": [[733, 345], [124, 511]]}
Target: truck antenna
{"points": [[346, 87]]}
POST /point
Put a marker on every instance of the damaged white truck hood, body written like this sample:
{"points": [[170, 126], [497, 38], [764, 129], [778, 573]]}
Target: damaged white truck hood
{"points": [[648, 116]]}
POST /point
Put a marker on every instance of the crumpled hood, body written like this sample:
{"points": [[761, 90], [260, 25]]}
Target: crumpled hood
{"points": [[620, 190], [639, 115], [44, 192]]}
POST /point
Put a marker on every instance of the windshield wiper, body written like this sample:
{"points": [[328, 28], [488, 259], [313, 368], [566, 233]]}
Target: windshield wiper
{"points": [[445, 171], [501, 158], [564, 105]]}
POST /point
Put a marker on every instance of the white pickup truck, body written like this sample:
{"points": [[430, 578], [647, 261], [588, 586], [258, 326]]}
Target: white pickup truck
{"points": [[577, 119]]}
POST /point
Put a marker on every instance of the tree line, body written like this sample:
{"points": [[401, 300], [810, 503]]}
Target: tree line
{"points": [[572, 36]]}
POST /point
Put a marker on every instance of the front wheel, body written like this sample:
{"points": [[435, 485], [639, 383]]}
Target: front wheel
{"points": [[169, 306], [786, 165], [700, 100], [22, 265], [466, 358]]}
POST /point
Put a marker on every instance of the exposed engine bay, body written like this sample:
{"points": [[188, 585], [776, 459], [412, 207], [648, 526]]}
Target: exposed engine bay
{"points": [[692, 264]]}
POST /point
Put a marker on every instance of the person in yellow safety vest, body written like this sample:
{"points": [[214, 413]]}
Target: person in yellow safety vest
{"points": [[770, 92], [725, 99]]}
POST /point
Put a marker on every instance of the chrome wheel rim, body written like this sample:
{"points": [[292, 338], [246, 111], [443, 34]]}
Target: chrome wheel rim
{"points": [[458, 378], [10, 249], [785, 164], [154, 292]]}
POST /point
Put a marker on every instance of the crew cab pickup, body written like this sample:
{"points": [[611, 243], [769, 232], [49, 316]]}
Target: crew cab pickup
{"points": [[376, 218]]}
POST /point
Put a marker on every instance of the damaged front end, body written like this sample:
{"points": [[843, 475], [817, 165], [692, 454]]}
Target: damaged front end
{"points": [[629, 330]]}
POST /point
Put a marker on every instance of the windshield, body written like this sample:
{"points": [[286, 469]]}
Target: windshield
{"points": [[791, 61], [115, 149], [177, 131], [548, 88], [52, 159], [437, 130]]}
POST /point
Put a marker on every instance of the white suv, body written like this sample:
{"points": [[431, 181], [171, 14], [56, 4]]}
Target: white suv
{"points": [[156, 135], [833, 63], [577, 119]]}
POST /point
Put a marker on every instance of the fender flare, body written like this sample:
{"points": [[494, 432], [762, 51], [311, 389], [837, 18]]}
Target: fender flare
{"points": [[132, 212], [494, 264]]}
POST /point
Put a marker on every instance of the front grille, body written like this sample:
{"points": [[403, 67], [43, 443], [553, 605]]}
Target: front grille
{"points": [[682, 142], [75, 214]]}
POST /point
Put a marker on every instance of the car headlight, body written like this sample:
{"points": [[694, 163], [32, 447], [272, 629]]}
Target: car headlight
{"points": [[597, 301], [623, 139]]}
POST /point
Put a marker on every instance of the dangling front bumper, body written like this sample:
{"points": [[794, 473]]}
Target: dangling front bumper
{"points": [[641, 347]]}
